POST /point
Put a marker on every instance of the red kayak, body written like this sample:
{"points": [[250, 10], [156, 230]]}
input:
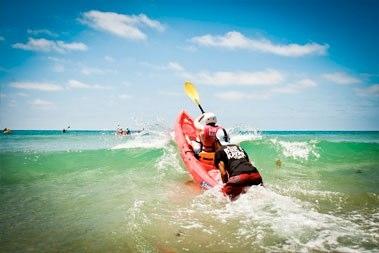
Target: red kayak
{"points": [[203, 174]]}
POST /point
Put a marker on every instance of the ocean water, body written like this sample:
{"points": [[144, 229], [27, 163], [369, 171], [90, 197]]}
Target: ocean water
{"points": [[92, 191]]}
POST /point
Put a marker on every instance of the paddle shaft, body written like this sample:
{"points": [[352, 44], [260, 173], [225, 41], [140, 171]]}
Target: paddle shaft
{"points": [[201, 108]]}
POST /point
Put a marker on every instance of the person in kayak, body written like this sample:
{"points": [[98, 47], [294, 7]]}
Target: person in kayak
{"points": [[7, 131], [65, 129], [237, 171], [206, 131]]}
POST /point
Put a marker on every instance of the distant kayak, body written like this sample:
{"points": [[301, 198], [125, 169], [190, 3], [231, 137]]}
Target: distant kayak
{"points": [[122, 132], [7, 131], [65, 130], [203, 174]]}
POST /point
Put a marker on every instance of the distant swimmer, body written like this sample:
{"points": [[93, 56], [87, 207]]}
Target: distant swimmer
{"points": [[7, 131]]}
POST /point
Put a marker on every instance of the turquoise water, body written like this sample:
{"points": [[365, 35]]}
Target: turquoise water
{"points": [[92, 191]]}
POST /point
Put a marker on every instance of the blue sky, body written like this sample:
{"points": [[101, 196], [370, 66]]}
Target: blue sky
{"points": [[262, 64]]}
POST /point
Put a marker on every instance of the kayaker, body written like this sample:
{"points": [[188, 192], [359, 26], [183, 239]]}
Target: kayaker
{"points": [[7, 131], [237, 171], [65, 130], [206, 131], [119, 130]]}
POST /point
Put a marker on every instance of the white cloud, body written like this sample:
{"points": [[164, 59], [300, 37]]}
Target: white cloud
{"points": [[124, 96], [289, 89], [45, 45], [96, 71], [231, 95], [92, 71], [266, 77], [341, 78], [296, 87], [172, 66], [372, 90], [236, 40], [22, 94], [41, 31], [125, 26], [237, 95], [55, 59], [109, 58], [225, 78], [78, 46], [190, 48], [42, 103], [175, 66], [74, 84], [36, 86]]}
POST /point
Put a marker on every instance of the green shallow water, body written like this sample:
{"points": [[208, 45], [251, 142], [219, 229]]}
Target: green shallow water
{"points": [[96, 192]]}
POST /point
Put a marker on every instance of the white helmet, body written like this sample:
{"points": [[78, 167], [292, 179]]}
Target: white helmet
{"points": [[210, 118], [205, 119]]}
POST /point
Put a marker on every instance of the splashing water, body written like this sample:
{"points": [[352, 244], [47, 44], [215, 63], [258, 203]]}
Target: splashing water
{"points": [[105, 193], [297, 150]]}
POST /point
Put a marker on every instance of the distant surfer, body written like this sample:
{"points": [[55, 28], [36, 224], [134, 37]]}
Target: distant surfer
{"points": [[237, 171], [7, 131]]}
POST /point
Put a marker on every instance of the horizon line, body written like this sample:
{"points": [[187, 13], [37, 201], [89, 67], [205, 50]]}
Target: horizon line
{"points": [[259, 130]]}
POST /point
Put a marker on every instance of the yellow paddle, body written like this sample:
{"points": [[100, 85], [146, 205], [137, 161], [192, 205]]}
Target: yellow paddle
{"points": [[191, 92]]}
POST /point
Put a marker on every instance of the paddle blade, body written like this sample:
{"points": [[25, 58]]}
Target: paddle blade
{"points": [[191, 92]]}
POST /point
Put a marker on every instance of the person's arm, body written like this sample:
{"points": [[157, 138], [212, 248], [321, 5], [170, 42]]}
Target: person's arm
{"points": [[224, 174], [196, 147], [188, 140], [220, 165]]}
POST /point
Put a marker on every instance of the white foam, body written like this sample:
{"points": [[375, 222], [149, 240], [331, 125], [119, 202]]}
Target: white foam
{"points": [[262, 213], [297, 149], [168, 161], [152, 140], [238, 135], [135, 222]]}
